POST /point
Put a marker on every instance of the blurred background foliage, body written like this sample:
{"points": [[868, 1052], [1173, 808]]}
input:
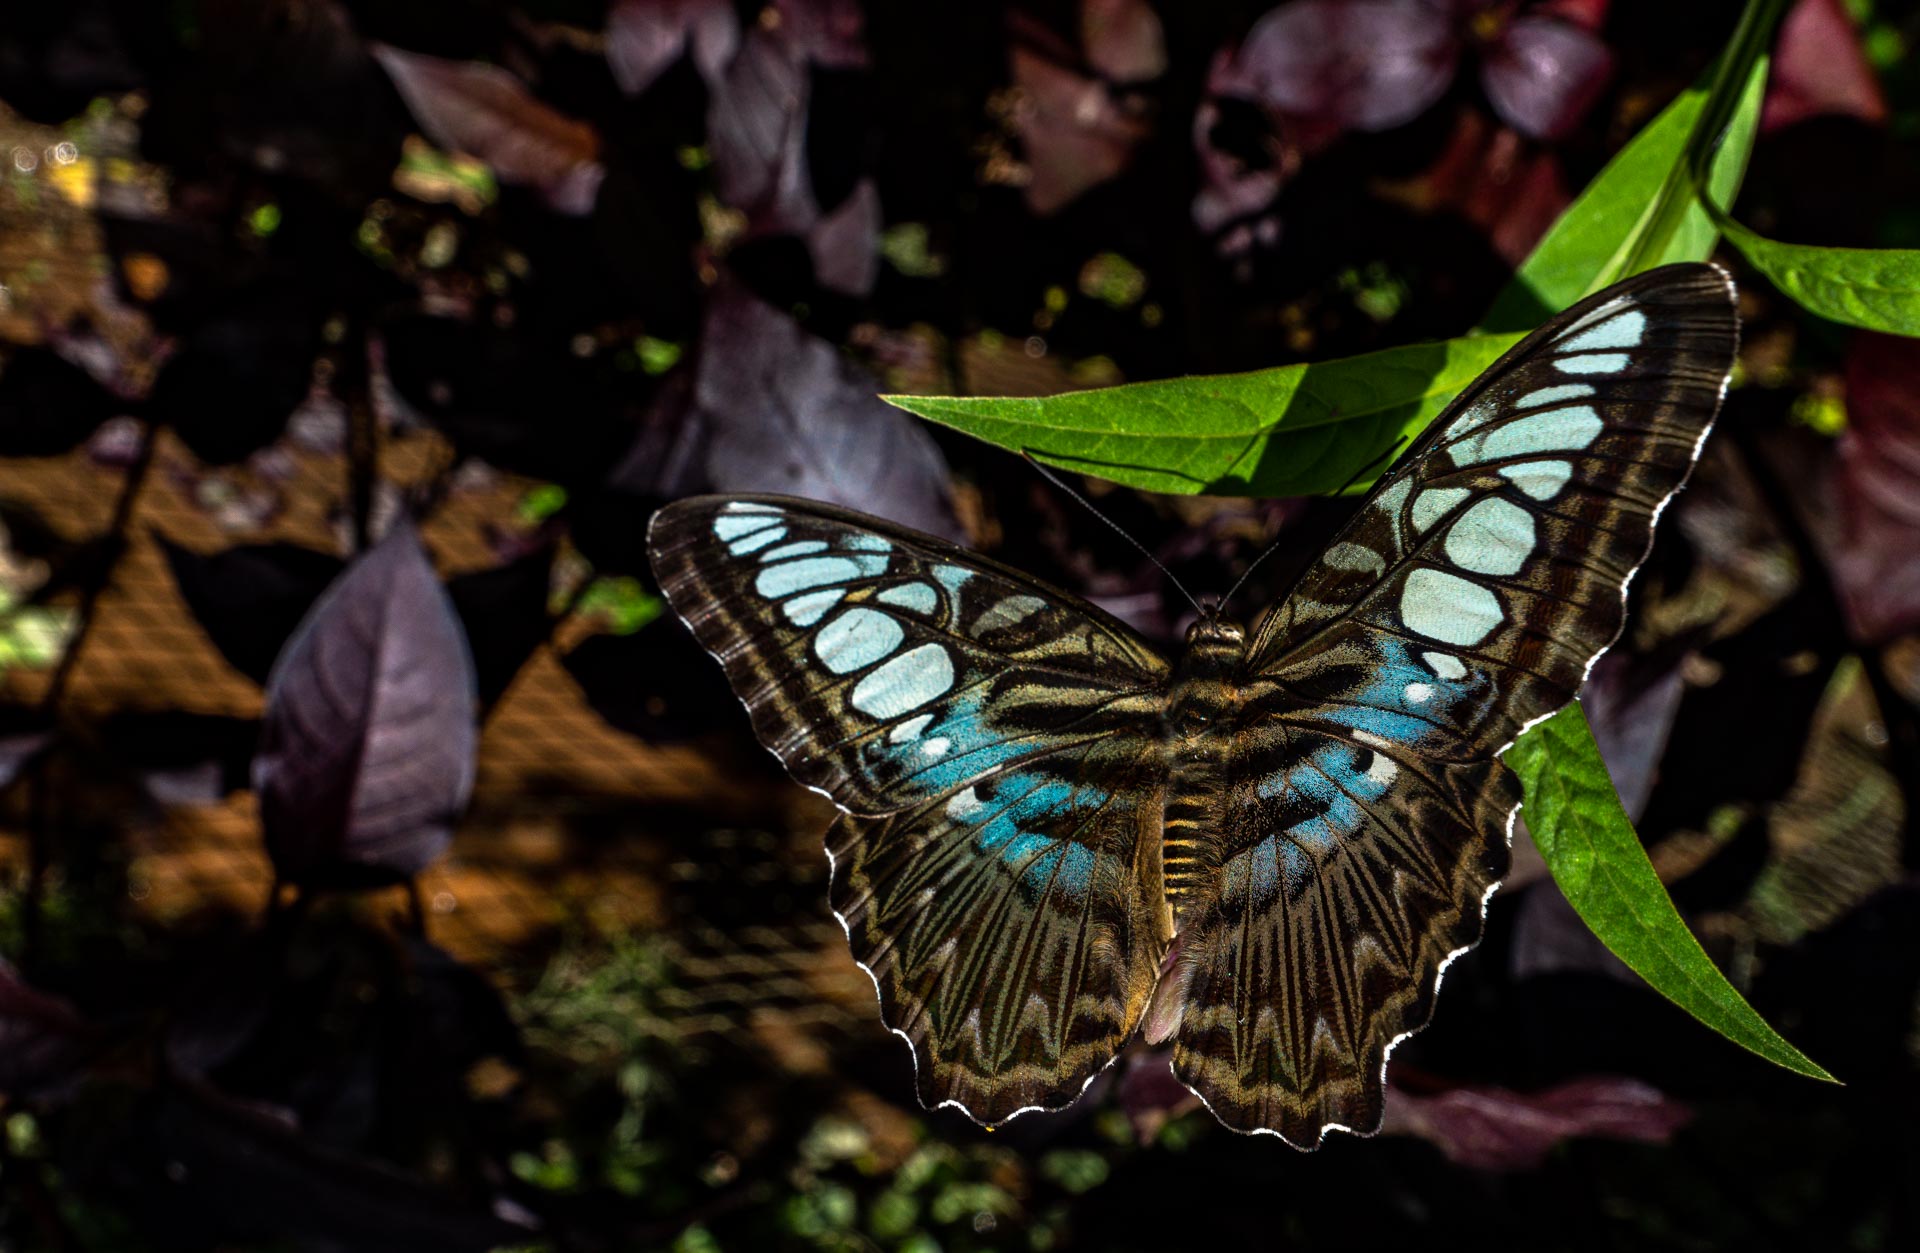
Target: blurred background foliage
{"points": [[471, 917]]}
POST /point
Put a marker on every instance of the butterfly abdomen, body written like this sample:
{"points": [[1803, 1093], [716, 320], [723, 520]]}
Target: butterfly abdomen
{"points": [[1201, 699]]}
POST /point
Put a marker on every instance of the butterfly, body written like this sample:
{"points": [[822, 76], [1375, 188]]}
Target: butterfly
{"points": [[1265, 850]]}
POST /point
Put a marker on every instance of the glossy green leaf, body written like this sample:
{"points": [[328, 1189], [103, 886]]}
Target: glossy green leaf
{"points": [[1875, 288], [1590, 245], [1589, 844], [1645, 209], [1291, 431]]}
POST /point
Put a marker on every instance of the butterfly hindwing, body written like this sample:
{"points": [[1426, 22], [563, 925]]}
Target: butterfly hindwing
{"points": [[1366, 815], [991, 741], [1013, 929]]}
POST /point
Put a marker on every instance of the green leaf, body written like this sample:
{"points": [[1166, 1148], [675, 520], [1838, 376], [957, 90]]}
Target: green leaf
{"points": [[1874, 288], [1590, 244], [1597, 860], [1291, 431]]}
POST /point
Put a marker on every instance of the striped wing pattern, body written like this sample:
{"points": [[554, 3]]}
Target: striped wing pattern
{"points": [[984, 735], [1009, 760], [1367, 816]]}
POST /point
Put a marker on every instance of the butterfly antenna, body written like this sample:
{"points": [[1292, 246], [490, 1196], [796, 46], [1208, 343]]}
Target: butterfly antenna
{"points": [[1119, 530], [1385, 454]]}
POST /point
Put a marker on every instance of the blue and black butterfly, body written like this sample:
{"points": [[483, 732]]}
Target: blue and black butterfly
{"points": [[1265, 851]]}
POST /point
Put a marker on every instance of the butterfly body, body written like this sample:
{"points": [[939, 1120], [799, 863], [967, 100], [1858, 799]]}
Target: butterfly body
{"points": [[1202, 698], [1266, 850]]}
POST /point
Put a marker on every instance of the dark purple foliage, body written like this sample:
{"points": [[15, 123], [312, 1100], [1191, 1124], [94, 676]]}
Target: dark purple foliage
{"points": [[367, 744], [1365, 64], [514, 401], [785, 411], [43, 1040], [1542, 74], [237, 377], [1630, 703], [503, 611], [485, 111], [1080, 116], [250, 598], [23, 734], [1496, 1129], [1372, 65], [48, 405], [1820, 70], [645, 37], [1874, 528], [758, 121]]}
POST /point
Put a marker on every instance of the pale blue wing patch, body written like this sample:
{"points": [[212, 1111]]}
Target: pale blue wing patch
{"points": [[858, 638], [1542, 480], [1443, 606], [1494, 537], [915, 597], [907, 682], [1434, 503]]}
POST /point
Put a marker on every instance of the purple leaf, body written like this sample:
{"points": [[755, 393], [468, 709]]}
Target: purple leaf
{"points": [[504, 610], [1819, 69], [757, 124], [1366, 64], [1151, 1097], [183, 758], [787, 412], [666, 460], [829, 33], [655, 684], [1543, 74], [43, 1040], [48, 405], [1122, 39], [238, 375], [645, 37], [1496, 1129], [250, 599], [1233, 187], [845, 244], [23, 735], [756, 132], [1076, 131], [1550, 938], [488, 113], [1630, 704], [367, 744], [1873, 529]]}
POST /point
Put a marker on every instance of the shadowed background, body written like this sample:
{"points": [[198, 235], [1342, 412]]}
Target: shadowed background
{"points": [[526, 945]]}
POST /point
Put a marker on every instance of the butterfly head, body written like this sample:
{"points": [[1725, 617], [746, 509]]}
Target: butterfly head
{"points": [[1214, 627]]}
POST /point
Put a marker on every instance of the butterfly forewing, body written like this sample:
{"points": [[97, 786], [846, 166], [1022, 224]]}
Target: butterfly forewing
{"points": [[1366, 815], [882, 666], [991, 741]]}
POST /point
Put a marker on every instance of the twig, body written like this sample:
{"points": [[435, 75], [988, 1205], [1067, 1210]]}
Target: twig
{"points": [[39, 833]]}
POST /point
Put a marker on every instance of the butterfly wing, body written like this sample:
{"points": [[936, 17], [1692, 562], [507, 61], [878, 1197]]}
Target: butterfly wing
{"points": [[990, 740], [1368, 815]]}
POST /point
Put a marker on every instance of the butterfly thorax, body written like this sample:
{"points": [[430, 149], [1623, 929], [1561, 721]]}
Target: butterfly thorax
{"points": [[1200, 699]]}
